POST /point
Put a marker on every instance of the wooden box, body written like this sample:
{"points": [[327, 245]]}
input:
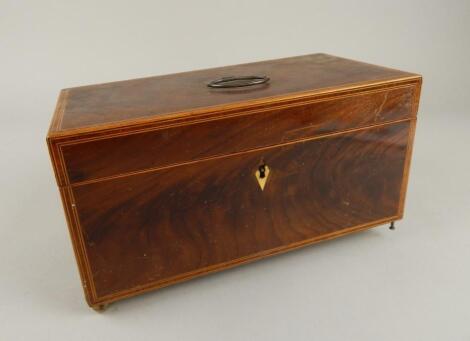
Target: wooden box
{"points": [[167, 178]]}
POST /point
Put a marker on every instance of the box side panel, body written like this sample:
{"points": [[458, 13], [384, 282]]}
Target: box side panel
{"points": [[70, 214], [411, 136], [77, 244]]}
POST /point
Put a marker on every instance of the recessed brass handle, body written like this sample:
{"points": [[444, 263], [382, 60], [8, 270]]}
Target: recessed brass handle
{"points": [[237, 81], [262, 174]]}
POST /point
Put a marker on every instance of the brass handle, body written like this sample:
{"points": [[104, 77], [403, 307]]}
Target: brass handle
{"points": [[237, 82]]}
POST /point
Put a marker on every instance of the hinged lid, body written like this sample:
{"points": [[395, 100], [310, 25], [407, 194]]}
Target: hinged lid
{"points": [[128, 103]]}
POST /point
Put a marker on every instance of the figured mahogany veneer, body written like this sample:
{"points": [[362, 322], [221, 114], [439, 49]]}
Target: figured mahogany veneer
{"points": [[166, 146], [158, 175]]}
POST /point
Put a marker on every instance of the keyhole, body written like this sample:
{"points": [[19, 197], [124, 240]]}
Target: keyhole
{"points": [[262, 171]]}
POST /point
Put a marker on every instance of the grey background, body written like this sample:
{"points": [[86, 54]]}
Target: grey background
{"points": [[411, 284]]}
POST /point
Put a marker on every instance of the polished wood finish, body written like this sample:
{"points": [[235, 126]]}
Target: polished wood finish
{"points": [[155, 226], [186, 92], [166, 146], [158, 175]]}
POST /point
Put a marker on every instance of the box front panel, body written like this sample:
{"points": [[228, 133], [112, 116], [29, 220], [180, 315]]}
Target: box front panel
{"points": [[152, 228]]}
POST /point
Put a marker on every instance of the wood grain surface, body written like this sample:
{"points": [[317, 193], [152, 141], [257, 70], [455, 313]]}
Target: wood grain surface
{"points": [[106, 157], [158, 226], [157, 97], [157, 175]]}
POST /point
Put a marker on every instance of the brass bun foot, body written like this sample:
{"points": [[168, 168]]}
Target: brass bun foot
{"points": [[100, 307]]}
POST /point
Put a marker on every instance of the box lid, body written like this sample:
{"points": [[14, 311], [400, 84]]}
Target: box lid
{"points": [[133, 102]]}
